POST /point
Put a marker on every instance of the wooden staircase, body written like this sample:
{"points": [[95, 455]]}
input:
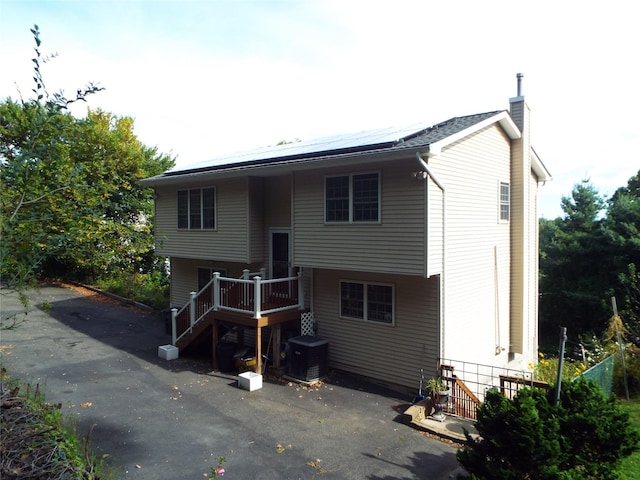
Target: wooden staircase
{"points": [[462, 401]]}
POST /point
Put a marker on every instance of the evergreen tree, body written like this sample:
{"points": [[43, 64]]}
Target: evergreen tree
{"points": [[583, 437], [575, 267]]}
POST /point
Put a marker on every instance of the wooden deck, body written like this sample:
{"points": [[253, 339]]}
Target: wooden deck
{"points": [[274, 320]]}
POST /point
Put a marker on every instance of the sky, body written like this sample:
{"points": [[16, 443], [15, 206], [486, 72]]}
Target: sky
{"points": [[205, 78]]}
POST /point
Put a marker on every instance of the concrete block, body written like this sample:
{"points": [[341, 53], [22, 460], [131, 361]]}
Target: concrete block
{"points": [[168, 352], [250, 381]]}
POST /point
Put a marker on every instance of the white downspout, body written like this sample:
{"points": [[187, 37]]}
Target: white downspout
{"points": [[442, 188]]}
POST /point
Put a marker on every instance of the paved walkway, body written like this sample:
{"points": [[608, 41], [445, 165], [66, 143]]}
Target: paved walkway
{"points": [[157, 419]]}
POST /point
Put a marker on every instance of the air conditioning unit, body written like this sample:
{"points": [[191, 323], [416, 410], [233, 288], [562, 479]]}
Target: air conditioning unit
{"points": [[308, 358]]}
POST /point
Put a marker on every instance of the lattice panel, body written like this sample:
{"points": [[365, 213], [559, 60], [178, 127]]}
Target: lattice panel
{"points": [[307, 324]]}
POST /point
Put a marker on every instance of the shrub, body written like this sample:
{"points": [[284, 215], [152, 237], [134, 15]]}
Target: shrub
{"points": [[584, 437], [149, 288], [547, 369]]}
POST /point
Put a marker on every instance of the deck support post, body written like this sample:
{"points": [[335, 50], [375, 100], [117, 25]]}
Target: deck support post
{"points": [[214, 343], [258, 350], [276, 345]]}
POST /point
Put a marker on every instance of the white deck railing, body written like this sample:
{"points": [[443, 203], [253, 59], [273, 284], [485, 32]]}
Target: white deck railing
{"points": [[252, 296]]}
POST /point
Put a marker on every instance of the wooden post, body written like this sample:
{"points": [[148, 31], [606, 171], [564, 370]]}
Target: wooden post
{"points": [[258, 350], [214, 343], [620, 346], [276, 345]]}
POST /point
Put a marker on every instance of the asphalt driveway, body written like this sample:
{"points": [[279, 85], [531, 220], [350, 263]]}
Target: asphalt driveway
{"points": [[158, 419]]}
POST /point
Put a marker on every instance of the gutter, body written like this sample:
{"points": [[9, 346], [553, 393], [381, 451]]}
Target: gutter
{"points": [[442, 188]]}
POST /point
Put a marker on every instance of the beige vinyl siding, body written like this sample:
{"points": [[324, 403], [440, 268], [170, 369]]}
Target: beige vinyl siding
{"points": [[277, 198], [396, 245], [184, 279], [184, 276], [229, 241], [255, 213], [531, 344], [435, 228], [393, 354], [476, 276]]}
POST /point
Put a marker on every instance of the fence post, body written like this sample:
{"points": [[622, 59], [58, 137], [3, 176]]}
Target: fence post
{"points": [[174, 314], [563, 338], [300, 291], [216, 290], [620, 346], [263, 272], [192, 308], [245, 274], [257, 305]]}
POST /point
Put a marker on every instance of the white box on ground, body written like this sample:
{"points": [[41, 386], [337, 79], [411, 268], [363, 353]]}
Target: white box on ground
{"points": [[250, 381], [168, 352]]}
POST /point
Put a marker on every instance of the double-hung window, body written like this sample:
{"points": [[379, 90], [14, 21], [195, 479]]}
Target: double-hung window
{"points": [[505, 201], [352, 198], [197, 209], [373, 302]]}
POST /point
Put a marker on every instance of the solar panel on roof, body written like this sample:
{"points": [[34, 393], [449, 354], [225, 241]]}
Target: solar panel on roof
{"points": [[309, 147]]}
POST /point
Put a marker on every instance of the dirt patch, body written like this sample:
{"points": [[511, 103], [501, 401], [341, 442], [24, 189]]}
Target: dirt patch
{"points": [[99, 296]]}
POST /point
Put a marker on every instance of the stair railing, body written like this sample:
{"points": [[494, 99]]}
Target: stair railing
{"points": [[220, 293]]}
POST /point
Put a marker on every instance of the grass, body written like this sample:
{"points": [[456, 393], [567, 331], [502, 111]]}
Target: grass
{"points": [[630, 466]]}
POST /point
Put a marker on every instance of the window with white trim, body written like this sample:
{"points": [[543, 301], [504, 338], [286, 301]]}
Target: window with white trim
{"points": [[505, 202], [352, 198], [197, 209], [373, 302]]}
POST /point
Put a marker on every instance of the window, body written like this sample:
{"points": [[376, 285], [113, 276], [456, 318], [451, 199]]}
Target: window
{"points": [[205, 274], [367, 301], [505, 201], [352, 198], [196, 209]]}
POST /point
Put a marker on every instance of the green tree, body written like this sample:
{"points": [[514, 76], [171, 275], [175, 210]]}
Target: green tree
{"points": [[583, 437], [623, 226], [575, 266], [587, 256], [70, 195]]}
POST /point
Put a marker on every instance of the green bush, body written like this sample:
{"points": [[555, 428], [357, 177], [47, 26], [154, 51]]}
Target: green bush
{"points": [[148, 288], [547, 369], [584, 437]]}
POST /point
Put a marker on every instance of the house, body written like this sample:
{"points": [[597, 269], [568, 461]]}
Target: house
{"points": [[408, 245]]}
